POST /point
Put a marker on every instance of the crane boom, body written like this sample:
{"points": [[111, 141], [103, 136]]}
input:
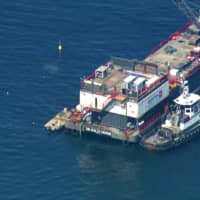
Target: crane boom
{"points": [[185, 8]]}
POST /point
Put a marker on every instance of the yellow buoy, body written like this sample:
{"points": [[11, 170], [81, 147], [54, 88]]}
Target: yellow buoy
{"points": [[59, 47]]}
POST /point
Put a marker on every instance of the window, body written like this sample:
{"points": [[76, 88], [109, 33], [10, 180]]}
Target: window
{"points": [[187, 110]]}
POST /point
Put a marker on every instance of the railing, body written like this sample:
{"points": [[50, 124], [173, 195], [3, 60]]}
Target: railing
{"points": [[102, 89], [91, 76], [196, 68], [137, 65], [149, 89], [160, 80], [109, 99], [149, 122], [91, 87], [127, 131], [182, 29]]}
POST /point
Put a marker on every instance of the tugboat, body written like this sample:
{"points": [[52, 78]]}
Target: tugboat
{"points": [[181, 124]]}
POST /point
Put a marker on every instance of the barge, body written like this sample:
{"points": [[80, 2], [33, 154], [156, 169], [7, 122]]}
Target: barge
{"points": [[126, 98]]}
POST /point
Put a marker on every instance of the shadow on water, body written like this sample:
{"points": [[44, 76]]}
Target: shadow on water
{"points": [[107, 165], [104, 162]]}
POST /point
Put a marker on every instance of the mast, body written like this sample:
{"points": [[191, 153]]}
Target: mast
{"points": [[184, 86]]}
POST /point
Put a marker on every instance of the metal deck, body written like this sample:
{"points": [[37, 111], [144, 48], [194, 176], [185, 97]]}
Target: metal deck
{"points": [[182, 44]]}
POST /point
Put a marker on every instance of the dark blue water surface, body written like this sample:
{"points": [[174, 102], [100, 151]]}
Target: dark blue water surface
{"points": [[35, 84]]}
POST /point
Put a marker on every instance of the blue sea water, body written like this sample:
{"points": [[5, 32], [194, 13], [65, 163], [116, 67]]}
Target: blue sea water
{"points": [[35, 84]]}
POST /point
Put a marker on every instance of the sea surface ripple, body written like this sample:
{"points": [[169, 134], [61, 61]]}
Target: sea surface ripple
{"points": [[35, 84]]}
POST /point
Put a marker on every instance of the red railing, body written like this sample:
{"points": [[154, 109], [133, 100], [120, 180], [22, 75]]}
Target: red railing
{"points": [[107, 101], [76, 115], [93, 74], [149, 122], [176, 34], [166, 107], [192, 71], [175, 80], [147, 90], [126, 132], [157, 81], [184, 27], [90, 76], [84, 111]]}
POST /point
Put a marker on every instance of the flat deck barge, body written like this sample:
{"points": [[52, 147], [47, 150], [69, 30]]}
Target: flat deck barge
{"points": [[106, 96]]}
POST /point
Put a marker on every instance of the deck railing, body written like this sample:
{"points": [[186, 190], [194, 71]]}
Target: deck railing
{"points": [[150, 121], [138, 97], [182, 29], [93, 88]]}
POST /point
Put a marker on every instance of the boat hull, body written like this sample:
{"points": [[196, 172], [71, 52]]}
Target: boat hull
{"points": [[185, 137]]}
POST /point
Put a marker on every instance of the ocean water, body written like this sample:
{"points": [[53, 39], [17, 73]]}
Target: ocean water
{"points": [[35, 84]]}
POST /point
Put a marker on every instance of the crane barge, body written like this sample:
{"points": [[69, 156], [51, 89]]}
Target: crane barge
{"points": [[126, 98]]}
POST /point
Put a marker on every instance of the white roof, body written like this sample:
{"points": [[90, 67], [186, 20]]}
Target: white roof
{"points": [[128, 79], [101, 68], [139, 80], [152, 80], [174, 72], [188, 100], [196, 49]]}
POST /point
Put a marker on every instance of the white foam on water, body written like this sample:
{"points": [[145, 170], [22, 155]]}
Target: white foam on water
{"points": [[51, 68]]}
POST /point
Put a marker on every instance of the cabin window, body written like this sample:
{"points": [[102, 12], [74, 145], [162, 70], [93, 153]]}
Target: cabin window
{"points": [[195, 108], [187, 110]]}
